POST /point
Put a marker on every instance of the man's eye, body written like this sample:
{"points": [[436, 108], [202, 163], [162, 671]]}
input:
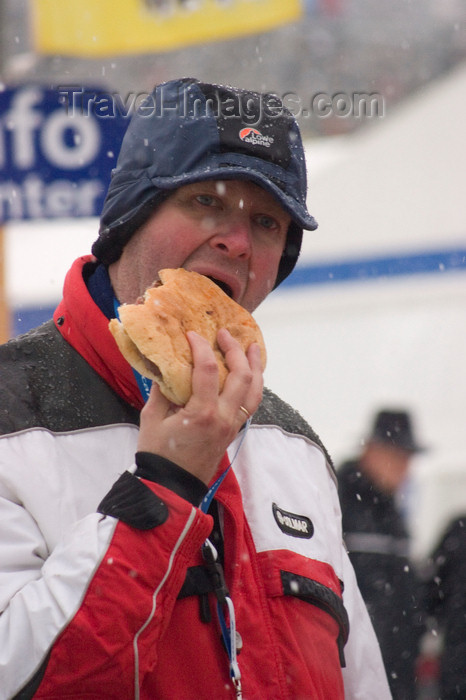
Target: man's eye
{"points": [[206, 199], [267, 221]]}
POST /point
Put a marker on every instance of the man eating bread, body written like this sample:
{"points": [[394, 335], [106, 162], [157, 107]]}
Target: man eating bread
{"points": [[163, 546]]}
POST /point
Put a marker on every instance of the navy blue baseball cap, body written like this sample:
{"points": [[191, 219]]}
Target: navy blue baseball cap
{"points": [[188, 131]]}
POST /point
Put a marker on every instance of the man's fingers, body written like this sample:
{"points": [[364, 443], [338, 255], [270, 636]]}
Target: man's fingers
{"points": [[156, 404], [228, 344], [205, 382], [254, 356], [244, 383]]}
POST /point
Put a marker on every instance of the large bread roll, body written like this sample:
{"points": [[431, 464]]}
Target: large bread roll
{"points": [[152, 335]]}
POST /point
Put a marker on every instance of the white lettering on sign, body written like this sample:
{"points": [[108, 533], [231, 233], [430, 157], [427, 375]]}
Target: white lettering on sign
{"points": [[21, 121], [36, 199], [86, 140], [67, 142], [49, 159]]}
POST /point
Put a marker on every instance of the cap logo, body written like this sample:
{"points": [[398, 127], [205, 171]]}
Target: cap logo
{"points": [[254, 137]]}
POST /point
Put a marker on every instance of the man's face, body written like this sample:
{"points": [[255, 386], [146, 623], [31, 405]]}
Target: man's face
{"points": [[387, 466], [232, 231]]}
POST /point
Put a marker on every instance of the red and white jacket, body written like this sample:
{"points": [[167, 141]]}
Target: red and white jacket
{"points": [[99, 556]]}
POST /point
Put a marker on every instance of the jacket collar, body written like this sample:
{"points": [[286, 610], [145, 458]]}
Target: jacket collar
{"points": [[83, 325]]}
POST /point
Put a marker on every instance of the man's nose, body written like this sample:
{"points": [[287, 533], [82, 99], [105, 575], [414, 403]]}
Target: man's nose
{"points": [[233, 237]]}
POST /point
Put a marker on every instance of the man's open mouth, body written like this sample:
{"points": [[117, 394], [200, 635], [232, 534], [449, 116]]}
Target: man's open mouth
{"points": [[223, 286]]}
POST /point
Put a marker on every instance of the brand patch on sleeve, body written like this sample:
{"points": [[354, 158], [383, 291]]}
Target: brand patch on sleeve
{"points": [[292, 524]]}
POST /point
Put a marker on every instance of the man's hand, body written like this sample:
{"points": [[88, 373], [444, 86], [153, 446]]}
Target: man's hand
{"points": [[196, 436]]}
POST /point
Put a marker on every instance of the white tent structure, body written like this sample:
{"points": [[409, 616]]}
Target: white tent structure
{"points": [[377, 318], [390, 198]]}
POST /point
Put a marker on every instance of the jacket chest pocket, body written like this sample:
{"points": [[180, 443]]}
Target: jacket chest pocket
{"points": [[309, 593]]}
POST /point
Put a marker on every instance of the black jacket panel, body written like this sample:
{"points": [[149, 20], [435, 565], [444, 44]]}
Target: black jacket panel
{"points": [[378, 548], [446, 600], [45, 382]]}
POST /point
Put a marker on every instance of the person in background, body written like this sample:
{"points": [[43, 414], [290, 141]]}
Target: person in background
{"points": [[370, 489], [149, 550], [445, 602]]}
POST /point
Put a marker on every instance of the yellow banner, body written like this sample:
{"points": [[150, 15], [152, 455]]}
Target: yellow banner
{"points": [[107, 27]]}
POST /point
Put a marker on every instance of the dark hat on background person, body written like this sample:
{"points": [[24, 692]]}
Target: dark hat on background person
{"points": [[188, 131], [394, 428]]}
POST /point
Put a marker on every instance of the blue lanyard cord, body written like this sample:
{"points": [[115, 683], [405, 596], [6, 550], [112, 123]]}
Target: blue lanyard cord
{"points": [[229, 634], [229, 637], [144, 384], [207, 500], [210, 556]]}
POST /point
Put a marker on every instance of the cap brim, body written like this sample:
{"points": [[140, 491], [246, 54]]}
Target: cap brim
{"points": [[293, 207]]}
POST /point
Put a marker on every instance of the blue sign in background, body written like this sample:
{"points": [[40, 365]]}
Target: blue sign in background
{"points": [[55, 159]]}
